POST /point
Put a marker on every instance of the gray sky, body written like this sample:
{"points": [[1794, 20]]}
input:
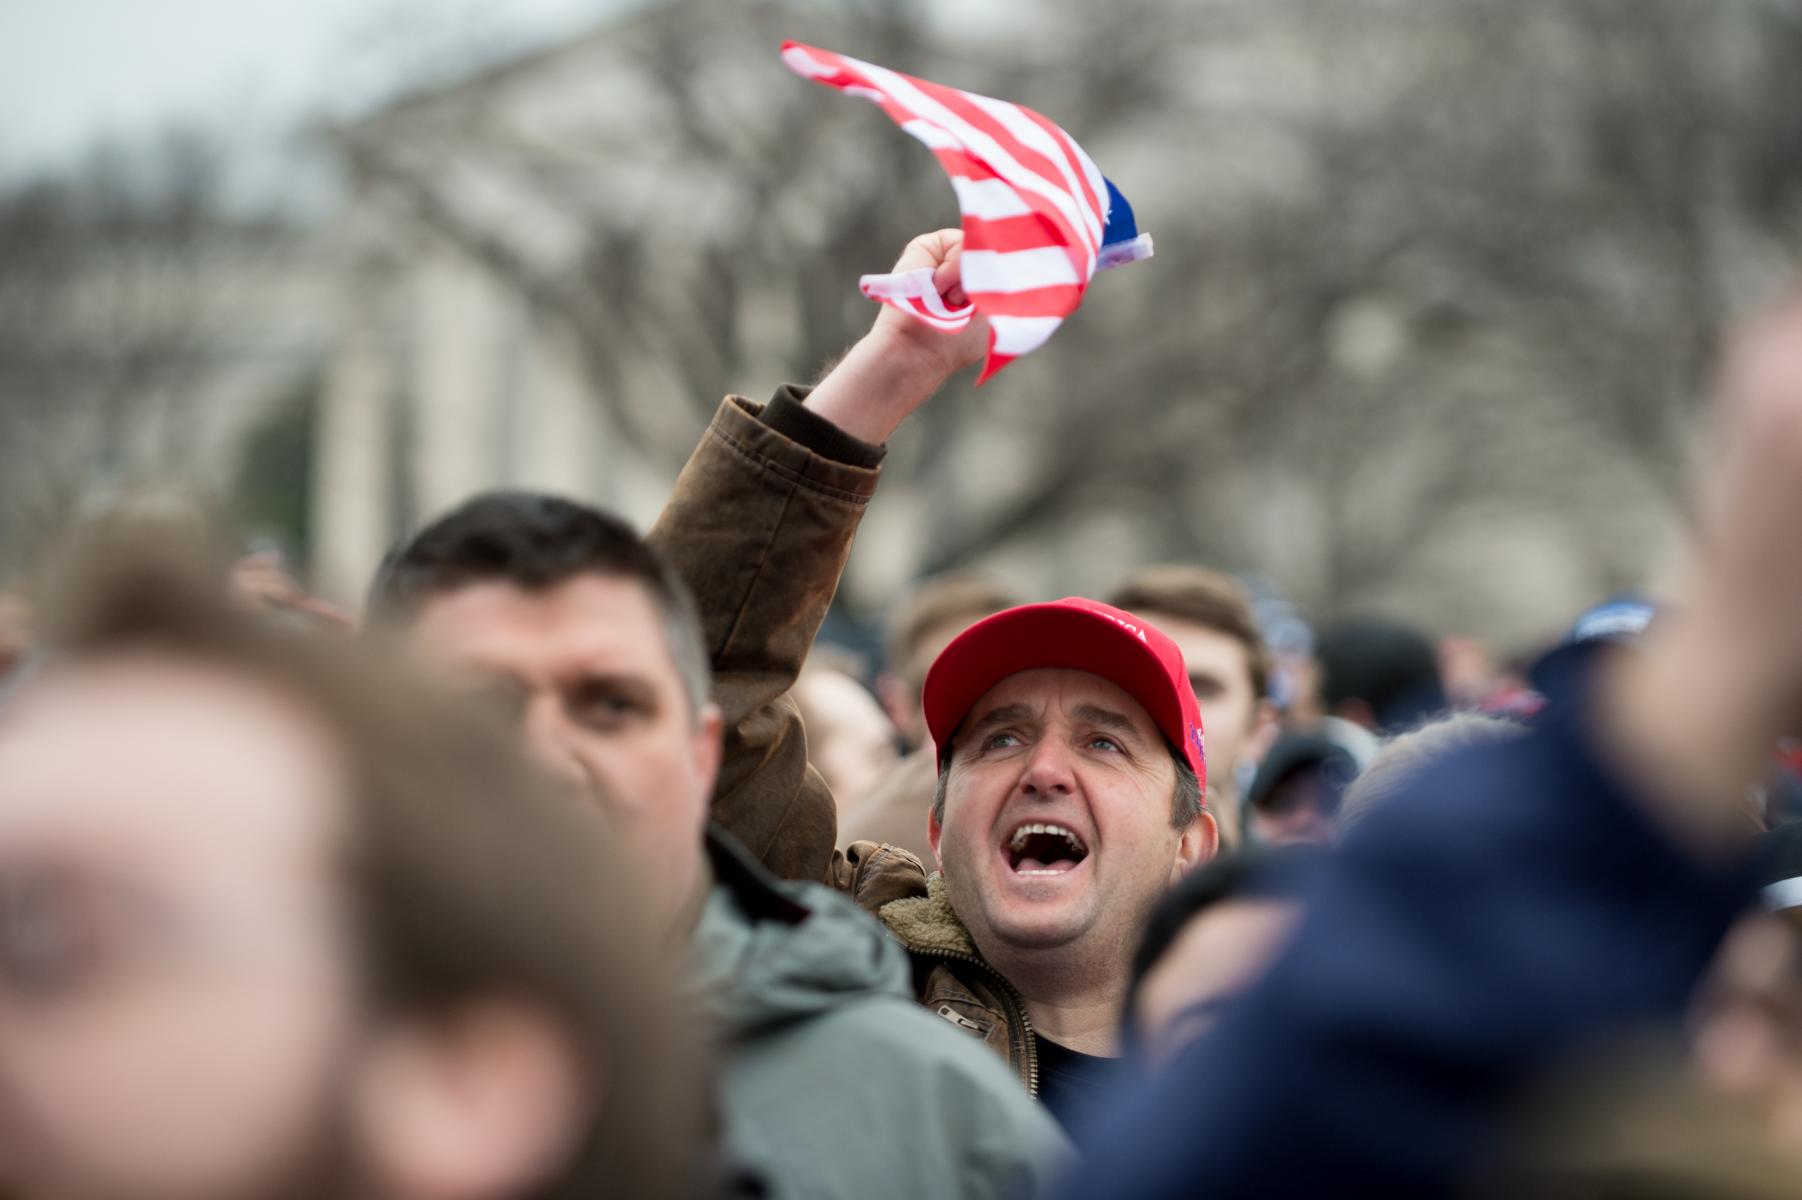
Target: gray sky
{"points": [[75, 70]]}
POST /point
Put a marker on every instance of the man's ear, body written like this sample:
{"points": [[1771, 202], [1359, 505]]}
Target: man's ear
{"points": [[1196, 845], [485, 1102], [933, 831], [709, 743]]}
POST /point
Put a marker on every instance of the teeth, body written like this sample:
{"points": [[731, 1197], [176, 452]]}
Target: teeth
{"points": [[1022, 833]]}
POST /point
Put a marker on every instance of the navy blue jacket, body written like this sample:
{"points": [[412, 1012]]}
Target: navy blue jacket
{"points": [[1511, 904]]}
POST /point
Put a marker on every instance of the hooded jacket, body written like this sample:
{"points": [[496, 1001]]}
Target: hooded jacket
{"points": [[820, 1043]]}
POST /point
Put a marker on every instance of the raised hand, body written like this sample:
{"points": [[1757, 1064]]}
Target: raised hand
{"points": [[1695, 714], [901, 362], [941, 250], [1749, 571]]}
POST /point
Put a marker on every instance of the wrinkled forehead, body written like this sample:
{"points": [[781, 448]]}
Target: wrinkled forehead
{"points": [[1048, 693], [168, 768]]}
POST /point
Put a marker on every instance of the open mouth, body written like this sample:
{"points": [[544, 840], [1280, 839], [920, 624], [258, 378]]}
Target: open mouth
{"points": [[1044, 848]]}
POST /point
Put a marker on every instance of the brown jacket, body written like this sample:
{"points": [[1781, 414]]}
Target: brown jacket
{"points": [[949, 975], [760, 527]]}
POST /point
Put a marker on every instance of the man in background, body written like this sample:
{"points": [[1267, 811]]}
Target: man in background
{"points": [[919, 629], [1209, 616], [1296, 793], [1380, 674], [850, 740]]}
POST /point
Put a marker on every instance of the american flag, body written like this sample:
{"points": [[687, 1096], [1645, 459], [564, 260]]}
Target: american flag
{"points": [[1038, 218]]}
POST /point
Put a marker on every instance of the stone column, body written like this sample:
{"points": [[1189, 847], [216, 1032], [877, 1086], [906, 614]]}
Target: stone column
{"points": [[351, 489], [559, 439], [455, 449]]}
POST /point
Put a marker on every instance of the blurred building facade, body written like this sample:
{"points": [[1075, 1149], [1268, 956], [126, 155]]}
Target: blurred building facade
{"points": [[544, 292], [1428, 328], [147, 331]]}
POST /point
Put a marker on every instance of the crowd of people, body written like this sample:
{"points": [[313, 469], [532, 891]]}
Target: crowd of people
{"points": [[572, 866]]}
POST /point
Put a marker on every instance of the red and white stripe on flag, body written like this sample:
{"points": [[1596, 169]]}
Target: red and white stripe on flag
{"points": [[1034, 204]]}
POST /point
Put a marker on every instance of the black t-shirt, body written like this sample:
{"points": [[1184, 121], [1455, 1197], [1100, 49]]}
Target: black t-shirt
{"points": [[1070, 1083]]}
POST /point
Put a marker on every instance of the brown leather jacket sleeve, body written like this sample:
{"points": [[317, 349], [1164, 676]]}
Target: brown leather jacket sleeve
{"points": [[874, 873], [760, 526]]}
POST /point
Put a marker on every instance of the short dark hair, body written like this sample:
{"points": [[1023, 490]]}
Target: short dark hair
{"points": [[1185, 800], [535, 541], [1389, 665], [468, 877], [1211, 599]]}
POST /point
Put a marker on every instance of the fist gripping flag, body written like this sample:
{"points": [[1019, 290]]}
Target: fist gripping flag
{"points": [[1038, 217]]}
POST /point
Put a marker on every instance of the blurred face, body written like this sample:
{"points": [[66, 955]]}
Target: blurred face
{"points": [[15, 631], [849, 740], [902, 693], [1219, 954], [1232, 716], [1748, 1028], [176, 998], [1303, 808], [587, 668], [1057, 831]]}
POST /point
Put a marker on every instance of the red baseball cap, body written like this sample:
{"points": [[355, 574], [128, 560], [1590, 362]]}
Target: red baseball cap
{"points": [[1079, 634]]}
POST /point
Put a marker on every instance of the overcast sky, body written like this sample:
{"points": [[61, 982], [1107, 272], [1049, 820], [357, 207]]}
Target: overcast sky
{"points": [[75, 70]]}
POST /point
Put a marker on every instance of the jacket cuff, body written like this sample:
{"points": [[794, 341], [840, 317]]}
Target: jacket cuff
{"points": [[788, 414], [740, 425]]}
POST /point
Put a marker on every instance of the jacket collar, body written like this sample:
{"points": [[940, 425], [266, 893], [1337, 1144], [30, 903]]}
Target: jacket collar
{"points": [[926, 923], [758, 894]]}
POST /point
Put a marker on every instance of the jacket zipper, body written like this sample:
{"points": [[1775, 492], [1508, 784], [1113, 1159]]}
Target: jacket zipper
{"points": [[1019, 1003]]}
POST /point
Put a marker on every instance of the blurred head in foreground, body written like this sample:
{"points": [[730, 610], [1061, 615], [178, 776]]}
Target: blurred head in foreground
{"points": [[1401, 757], [1208, 941], [1646, 1117], [274, 922]]}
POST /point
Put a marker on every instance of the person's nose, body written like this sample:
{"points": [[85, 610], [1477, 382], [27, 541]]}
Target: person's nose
{"points": [[1050, 771]]}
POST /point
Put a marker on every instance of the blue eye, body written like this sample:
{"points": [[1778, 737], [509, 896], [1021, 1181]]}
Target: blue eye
{"points": [[1000, 741], [1104, 743]]}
